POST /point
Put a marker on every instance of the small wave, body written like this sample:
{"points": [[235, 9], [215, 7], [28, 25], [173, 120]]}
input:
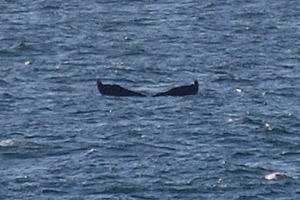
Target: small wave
{"points": [[7, 96], [3, 83], [78, 112], [52, 191], [126, 189], [22, 45]]}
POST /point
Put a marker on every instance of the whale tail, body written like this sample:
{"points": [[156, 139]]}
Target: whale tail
{"points": [[196, 83], [99, 86], [196, 86], [181, 90], [116, 90], [99, 82]]}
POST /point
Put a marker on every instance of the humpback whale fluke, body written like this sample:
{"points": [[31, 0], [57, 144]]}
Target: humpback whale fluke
{"points": [[181, 91], [115, 90]]}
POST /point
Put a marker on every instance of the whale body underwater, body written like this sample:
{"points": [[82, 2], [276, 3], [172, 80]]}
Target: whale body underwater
{"points": [[117, 90]]}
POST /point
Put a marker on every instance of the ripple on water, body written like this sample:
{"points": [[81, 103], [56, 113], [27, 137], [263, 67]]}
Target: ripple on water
{"points": [[3, 83]]}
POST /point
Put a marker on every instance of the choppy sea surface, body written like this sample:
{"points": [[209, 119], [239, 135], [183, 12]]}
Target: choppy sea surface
{"points": [[238, 138]]}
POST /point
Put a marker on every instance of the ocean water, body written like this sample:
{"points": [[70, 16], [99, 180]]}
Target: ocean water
{"points": [[238, 138]]}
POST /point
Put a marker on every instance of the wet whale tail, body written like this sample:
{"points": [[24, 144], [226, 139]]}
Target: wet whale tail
{"points": [[116, 90], [181, 90]]}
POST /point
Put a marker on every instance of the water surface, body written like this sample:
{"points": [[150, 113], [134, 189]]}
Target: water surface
{"points": [[60, 139]]}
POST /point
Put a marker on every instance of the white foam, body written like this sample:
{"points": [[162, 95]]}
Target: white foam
{"points": [[275, 176], [28, 62], [91, 151], [7, 143], [269, 127], [238, 90]]}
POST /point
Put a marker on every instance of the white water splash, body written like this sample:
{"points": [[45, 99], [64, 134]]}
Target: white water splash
{"points": [[7, 143], [276, 176]]}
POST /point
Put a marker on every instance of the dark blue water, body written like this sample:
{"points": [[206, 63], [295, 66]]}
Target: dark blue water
{"points": [[60, 139]]}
